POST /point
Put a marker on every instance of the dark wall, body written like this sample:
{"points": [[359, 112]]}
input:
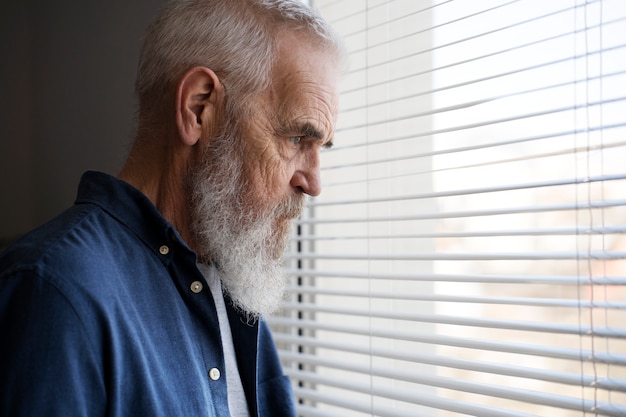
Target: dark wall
{"points": [[67, 103]]}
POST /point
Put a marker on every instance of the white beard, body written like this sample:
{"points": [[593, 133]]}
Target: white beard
{"points": [[244, 241]]}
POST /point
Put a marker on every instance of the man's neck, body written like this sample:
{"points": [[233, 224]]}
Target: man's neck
{"points": [[160, 173]]}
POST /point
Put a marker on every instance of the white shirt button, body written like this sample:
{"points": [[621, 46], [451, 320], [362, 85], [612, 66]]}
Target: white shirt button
{"points": [[196, 287], [214, 374], [164, 250]]}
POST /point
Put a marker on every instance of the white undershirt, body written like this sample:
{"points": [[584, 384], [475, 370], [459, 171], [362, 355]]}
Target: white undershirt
{"points": [[237, 403]]}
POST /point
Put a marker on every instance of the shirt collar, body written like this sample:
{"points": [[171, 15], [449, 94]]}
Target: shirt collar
{"points": [[132, 208]]}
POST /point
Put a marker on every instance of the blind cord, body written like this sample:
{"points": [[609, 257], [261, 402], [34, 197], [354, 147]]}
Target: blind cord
{"points": [[367, 214]]}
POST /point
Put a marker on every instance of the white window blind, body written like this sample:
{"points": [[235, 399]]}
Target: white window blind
{"points": [[468, 253]]}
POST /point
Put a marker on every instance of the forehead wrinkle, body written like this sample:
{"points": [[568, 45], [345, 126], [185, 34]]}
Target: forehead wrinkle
{"points": [[312, 117]]}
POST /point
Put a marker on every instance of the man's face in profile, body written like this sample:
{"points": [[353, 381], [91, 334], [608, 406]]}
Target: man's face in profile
{"points": [[250, 182]]}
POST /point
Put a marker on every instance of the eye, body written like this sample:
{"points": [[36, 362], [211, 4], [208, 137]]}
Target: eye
{"points": [[295, 139]]}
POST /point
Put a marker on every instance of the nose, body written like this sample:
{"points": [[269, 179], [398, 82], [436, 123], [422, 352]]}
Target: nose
{"points": [[307, 177]]}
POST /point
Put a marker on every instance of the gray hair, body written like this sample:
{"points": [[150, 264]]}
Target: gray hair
{"points": [[237, 39]]}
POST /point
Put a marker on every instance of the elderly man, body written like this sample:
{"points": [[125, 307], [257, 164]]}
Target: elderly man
{"points": [[146, 297]]}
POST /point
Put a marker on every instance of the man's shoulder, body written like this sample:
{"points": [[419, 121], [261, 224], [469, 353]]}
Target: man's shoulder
{"points": [[70, 244], [35, 244], [107, 218]]}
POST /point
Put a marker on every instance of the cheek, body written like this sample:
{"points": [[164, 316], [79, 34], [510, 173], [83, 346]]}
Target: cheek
{"points": [[268, 167], [270, 176]]}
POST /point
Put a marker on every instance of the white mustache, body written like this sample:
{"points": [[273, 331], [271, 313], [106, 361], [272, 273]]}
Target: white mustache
{"points": [[291, 207]]}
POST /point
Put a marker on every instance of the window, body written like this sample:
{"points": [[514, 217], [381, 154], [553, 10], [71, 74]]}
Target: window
{"points": [[468, 253]]}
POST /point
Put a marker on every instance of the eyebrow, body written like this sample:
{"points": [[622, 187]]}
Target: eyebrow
{"points": [[311, 131]]}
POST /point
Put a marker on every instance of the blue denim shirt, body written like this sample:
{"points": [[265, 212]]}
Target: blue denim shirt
{"points": [[99, 317]]}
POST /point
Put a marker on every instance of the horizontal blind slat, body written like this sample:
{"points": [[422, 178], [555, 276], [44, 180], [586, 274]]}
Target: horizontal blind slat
{"points": [[511, 301], [540, 327], [431, 91], [429, 71], [431, 380], [491, 162], [429, 28], [442, 256], [380, 410], [570, 231], [485, 279], [518, 70], [537, 397], [500, 120], [436, 339], [492, 189], [468, 213], [464, 39], [452, 362], [311, 395], [414, 397], [494, 143]]}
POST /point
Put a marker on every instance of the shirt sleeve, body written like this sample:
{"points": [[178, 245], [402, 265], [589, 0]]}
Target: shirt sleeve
{"points": [[49, 365]]}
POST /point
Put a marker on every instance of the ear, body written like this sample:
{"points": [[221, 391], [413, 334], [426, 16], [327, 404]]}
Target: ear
{"points": [[199, 98]]}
